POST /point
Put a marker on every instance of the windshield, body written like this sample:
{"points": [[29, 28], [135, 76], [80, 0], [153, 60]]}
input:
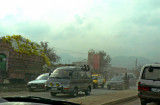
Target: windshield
{"points": [[117, 79], [151, 75], [61, 73], [42, 77], [110, 37], [94, 77]]}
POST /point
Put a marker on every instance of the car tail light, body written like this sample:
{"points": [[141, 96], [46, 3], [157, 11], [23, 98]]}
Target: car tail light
{"points": [[139, 87], [142, 87]]}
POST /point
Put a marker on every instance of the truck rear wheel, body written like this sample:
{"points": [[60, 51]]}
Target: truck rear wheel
{"points": [[143, 102]]}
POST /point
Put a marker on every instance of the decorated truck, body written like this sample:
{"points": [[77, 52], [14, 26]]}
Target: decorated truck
{"points": [[20, 59]]}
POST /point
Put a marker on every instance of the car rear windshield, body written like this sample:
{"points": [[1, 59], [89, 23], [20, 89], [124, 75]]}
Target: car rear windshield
{"points": [[42, 77], [151, 75], [117, 78]]}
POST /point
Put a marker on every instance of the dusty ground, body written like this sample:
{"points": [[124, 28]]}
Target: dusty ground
{"points": [[105, 98]]}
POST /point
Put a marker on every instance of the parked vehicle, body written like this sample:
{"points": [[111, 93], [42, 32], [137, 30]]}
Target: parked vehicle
{"points": [[132, 78], [149, 84], [117, 82], [69, 80], [98, 80], [38, 83]]}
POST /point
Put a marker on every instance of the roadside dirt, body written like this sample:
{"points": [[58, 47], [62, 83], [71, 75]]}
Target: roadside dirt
{"points": [[105, 98]]}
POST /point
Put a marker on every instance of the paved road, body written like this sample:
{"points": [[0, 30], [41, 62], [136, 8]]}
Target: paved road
{"points": [[135, 102], [59, 96]]}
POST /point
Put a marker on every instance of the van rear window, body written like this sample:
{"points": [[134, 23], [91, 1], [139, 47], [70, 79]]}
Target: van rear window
{"points": [[151, 75]]}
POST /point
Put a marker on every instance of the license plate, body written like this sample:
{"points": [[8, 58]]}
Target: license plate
{"points": [[54, 88], [155, 90]]}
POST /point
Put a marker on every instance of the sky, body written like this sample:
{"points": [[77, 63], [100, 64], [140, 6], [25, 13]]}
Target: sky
{"points": [[118, 27]]}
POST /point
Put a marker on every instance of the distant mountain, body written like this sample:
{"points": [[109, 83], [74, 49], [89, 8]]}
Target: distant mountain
{"points": [[129, 62], [68, 59]]}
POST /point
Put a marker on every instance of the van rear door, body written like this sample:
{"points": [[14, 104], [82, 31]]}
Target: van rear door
{"points": [[150, 79]]}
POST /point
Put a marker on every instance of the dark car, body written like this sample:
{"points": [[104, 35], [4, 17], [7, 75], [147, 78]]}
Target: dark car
{"points": [[71, 80], [117, 82], [38, 83], [132, 78]]}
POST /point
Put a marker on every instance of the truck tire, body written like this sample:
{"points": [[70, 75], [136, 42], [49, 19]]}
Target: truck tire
{"points": [[143, 102], [88, 91], [53, 94]]}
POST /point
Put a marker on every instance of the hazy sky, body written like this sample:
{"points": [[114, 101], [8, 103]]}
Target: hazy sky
{"points": [[119, 27]]}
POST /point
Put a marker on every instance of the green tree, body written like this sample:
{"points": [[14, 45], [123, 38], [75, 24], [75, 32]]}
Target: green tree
{"points": [[50, 52], [105, 59]]}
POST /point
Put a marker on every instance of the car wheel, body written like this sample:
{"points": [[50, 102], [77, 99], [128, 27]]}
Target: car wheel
{"points": [[88, 91], [123, 87], [108, 87], [103, 85], [75, 92], [95, 86], [143, 102], [53, 94]]}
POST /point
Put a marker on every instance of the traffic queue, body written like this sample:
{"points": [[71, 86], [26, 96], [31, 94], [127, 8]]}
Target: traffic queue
{"points": [[72, 79]]}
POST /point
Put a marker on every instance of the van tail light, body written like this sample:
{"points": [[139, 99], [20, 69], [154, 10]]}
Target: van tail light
{"points": [[139, 87], [142, 87]]}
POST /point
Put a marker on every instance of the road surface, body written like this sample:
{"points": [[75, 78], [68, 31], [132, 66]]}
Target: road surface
{"points": [[59, 96], [134, 102]]}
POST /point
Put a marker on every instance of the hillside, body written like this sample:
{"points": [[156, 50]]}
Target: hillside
{"points": [[68, 59], [129, 61]]}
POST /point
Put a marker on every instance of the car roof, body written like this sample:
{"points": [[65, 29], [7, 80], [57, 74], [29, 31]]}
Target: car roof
{"points": [[153, 65], [67, 67], [72, 67]]}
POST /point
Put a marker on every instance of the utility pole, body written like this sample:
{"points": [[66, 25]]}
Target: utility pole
{"points": [[69, 60], [136, 64]]}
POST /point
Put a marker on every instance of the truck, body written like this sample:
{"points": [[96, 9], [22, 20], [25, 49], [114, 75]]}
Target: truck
{"points": [[20, 60]]}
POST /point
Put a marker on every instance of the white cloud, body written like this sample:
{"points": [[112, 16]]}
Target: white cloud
{"points": [[120, 27]]}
